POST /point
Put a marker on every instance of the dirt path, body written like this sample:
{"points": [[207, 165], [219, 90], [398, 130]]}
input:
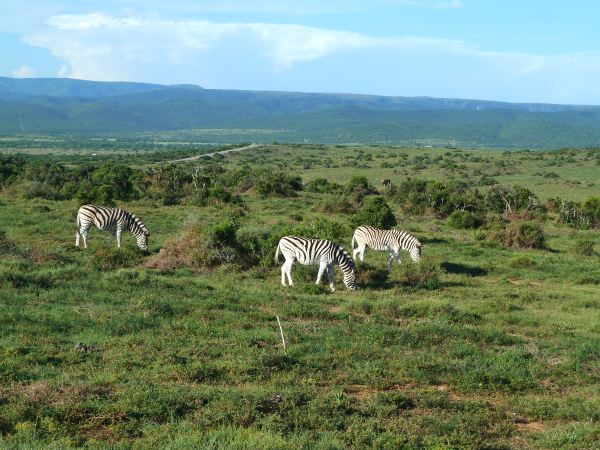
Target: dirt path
{"points": [[222, 152]]}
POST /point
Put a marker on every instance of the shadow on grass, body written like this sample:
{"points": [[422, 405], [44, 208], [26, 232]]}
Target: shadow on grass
{"points": [[434, 240], [462, 269], [370, 277]]}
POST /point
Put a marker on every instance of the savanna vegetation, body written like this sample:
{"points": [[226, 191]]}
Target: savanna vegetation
{"points": [[491, 341]]}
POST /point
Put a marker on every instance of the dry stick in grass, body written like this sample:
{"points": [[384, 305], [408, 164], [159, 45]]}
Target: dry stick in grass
{"points": [[281, 331]]}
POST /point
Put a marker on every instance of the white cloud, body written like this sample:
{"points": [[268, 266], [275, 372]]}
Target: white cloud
{"points": [[64, 71], [103, 47], [24, 72]]}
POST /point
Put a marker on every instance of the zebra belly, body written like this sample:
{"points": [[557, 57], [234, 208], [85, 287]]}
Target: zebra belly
{"points": [[307, 261], [378, 246]]}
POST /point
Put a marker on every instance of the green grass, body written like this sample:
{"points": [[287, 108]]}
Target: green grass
{"points": [[498, 354]]}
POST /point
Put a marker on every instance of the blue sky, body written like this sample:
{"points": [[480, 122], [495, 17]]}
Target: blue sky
{"points": [[523, 51]]}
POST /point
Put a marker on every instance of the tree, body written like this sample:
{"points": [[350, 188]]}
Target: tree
{"points": [[375, 212]]}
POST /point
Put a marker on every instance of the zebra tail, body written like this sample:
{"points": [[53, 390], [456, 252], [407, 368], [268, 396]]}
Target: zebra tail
{"points": [[277, 253]]}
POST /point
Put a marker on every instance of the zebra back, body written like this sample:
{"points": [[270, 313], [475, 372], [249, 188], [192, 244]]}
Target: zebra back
{"points": [[306, 249], [110, 218], [376, 237]]}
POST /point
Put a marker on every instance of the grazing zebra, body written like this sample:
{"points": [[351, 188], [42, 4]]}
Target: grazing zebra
{"points": [[315, 251], [110, 219], [391, 241]]}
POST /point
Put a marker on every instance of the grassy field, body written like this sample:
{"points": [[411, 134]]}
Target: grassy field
{"points": [[504, 352]]}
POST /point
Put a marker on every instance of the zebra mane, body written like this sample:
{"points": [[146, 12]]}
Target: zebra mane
{"points": [[343, 257], [407, 239], [135, 221]]}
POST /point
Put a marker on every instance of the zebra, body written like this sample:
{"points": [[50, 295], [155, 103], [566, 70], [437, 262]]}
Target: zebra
{"points": [[111, 219], [391, 241], [315, 251]]}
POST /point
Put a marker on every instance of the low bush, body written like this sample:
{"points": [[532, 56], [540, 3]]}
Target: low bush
{"points": [[322, 186], [525, 235], [426, 274], [463, 220], [6, 245], [371, 276], [522, 262], [321, 228], [583, 247], [115, 258], [375, 212]]}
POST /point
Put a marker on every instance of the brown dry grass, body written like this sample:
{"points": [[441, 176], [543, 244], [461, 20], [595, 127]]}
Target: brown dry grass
{"points": [[176, 252]]}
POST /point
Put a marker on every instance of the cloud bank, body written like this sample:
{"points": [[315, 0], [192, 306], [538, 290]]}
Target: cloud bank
{"points": [[104, 47]]}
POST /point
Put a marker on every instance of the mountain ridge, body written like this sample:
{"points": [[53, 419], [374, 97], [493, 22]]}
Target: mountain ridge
{"points": [[80, 107]]}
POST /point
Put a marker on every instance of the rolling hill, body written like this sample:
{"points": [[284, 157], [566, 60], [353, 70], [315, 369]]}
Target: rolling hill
{"points": [[89, 108]]}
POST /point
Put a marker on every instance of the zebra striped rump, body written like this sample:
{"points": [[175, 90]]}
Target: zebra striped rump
{"points": [[114, 220], [391, 241], [316, 251]]}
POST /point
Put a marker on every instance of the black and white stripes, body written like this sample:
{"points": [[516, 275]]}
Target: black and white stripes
{"points": [[391, 241], [110, 219], [315, 251]]}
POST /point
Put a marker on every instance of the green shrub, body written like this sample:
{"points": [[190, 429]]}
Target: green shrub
{"points": [[115, 258], [376, 213], [522, 262], [584, 247], [463, 220], [425, 274], [371, 276], [525, 235], [321, 228], [268, 182], [6, 245], [322, 186]]}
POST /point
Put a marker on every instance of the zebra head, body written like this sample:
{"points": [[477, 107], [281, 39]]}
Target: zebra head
{"points": [[350, 280], [415, 251], [142, 240], [141, 232], [348, 268]]}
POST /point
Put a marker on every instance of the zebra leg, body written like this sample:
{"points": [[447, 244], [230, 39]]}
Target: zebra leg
{"points": [[283, 268], [84, 235], [390, 261], [322, 268], [289, 271], [330, 276], [77, 239], [119, 237], [360, 251]]}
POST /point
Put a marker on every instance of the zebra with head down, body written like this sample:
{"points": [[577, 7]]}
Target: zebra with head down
{"points": [[114, 220], [391, 241], [315, 251]]}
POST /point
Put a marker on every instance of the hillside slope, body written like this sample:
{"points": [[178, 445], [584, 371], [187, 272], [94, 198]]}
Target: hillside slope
{"points": [[65, 106]]}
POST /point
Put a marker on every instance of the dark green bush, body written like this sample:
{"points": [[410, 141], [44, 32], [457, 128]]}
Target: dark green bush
{"points": [[525, 235], [584, 247], [425, 274], [375, 212], [322, 186], [115, 258], [6, 245], [371, 276], [321, 228], [268, 182], [464, 220], [522, 262]]}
